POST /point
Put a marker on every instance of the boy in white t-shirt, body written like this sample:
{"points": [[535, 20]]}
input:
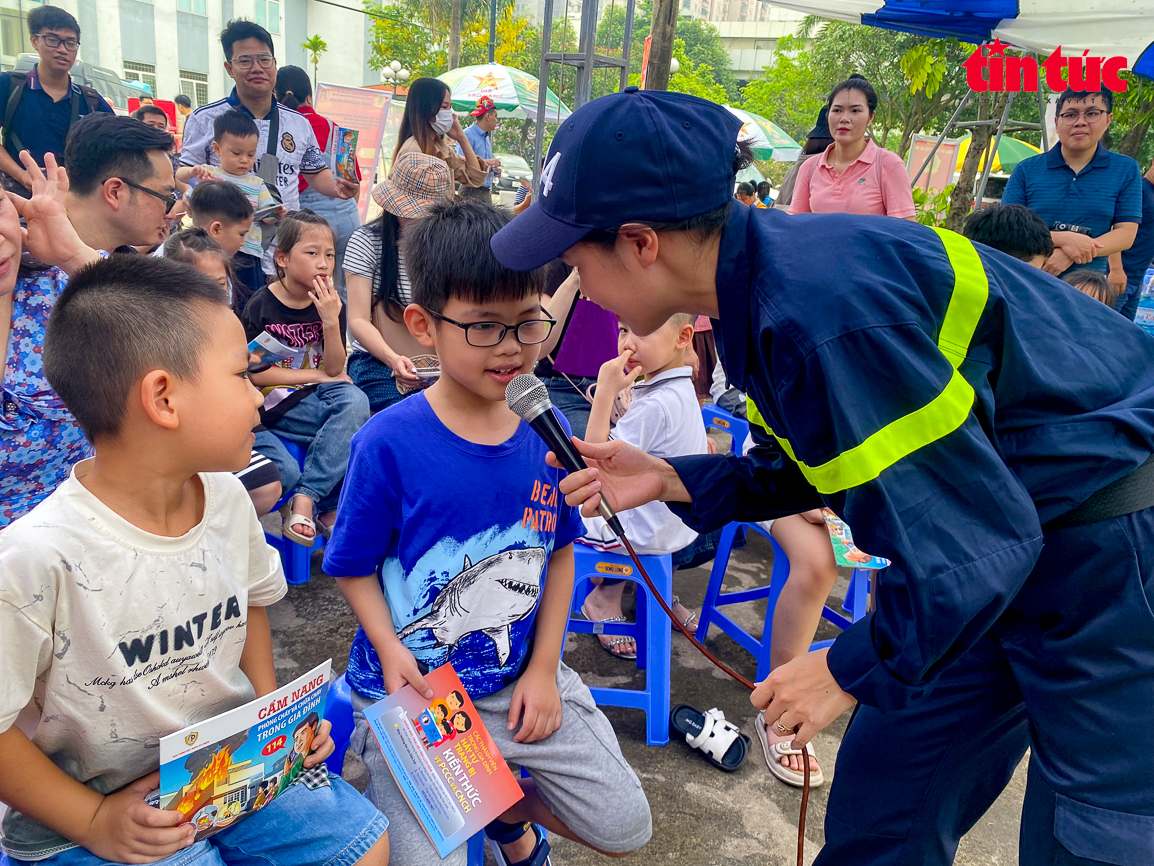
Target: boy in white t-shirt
{"points": [[663, 419], [132, 599]]}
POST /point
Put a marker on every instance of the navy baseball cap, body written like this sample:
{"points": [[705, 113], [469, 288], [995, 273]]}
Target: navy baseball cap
{"points": [[637, 155]]}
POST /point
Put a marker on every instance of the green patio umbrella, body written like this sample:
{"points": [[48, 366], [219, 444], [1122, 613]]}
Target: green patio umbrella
{"points": [[766, 138], [1011, 151], [513, 92]]}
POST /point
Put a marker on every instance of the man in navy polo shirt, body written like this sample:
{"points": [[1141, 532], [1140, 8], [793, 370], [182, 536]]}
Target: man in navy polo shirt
{"points": [[49, 102], [1090, 197], [1135, 261]]}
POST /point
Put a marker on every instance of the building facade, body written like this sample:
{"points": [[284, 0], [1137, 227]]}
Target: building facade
{"points": [[174, 45]]}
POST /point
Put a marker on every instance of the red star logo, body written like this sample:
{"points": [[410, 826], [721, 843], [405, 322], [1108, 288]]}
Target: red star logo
{"points": [[487, 80], [998, 47]]}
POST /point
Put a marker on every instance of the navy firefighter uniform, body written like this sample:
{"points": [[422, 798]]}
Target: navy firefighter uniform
{"points": [[981, 424], [987, 429]]}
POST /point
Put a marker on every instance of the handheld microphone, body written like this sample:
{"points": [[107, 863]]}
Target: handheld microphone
{"points": [[529, 398]]}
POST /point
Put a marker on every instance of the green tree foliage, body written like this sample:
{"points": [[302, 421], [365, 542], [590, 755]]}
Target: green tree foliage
{"points": [[789, 93], [400, 32]]}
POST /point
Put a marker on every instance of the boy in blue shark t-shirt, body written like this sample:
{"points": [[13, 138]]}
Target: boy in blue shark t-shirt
{"points": [[453, 544]]}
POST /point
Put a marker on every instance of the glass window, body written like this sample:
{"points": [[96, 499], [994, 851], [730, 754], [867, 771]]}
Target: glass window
{"points": [[145, 73], [268, 15], [196, 7], [194, 85]]}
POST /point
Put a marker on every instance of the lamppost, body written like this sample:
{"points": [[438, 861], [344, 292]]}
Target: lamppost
{"points": [[395, 74]]}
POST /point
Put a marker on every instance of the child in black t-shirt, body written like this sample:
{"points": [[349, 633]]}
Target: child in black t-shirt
{"points": [[308, 397]]}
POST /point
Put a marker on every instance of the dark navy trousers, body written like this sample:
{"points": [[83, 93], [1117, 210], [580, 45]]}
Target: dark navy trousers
{"points": [[1068, 672]]}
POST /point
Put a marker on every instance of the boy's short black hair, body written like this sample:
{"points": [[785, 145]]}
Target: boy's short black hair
{"points": [[746, 188], [146, 110], [118, 319], [181, 99], [1065, 96], [101, 146], [447, 255], [51, 18], [242, 28], [234, 122], [218, 200], [1013, 229]]}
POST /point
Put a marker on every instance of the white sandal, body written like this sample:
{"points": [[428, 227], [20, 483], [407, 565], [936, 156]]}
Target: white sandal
{"points": [[291, 519], [775, 751]]}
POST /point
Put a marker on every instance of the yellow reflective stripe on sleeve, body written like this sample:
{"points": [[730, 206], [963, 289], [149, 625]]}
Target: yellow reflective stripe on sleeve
{"points": [[753, 416], [898, 439], [942, 415], [968, 300]]}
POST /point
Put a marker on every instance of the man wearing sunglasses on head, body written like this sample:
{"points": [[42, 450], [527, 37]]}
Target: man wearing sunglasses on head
{"points": [[122, 191], [38, 107]]}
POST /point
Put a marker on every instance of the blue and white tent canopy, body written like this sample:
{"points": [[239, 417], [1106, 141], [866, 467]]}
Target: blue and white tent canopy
{"points": [[1107, 28]]}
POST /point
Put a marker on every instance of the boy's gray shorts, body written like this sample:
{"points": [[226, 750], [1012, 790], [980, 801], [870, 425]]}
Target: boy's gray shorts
{"points": [[579, 771]]}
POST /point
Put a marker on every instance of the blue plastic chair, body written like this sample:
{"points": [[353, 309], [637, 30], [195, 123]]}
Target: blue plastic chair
{"points": [[296, 559], [650, 631], [853, 609], [714, 416], [339, 712]]}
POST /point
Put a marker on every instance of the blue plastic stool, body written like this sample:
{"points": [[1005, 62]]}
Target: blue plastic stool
{"points": [[296, 559], [339, 712], [853, 609], [714, 416], [650, 631]]}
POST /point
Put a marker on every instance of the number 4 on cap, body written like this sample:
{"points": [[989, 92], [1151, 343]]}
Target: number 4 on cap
{"points": [[547, 174]]}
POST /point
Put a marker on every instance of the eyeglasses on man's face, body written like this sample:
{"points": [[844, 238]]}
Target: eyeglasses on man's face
{"points": [[54, 41], [170, 199], [245, 62], [1092, 115], [485, 335]]}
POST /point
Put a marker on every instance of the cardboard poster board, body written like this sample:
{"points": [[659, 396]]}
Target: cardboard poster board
{"points": [[940, 172], [364, 110]]}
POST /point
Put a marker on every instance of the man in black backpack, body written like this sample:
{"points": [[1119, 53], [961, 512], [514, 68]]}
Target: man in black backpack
{"points": [[38, 107]]}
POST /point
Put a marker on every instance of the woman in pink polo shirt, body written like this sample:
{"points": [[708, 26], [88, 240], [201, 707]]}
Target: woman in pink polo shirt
{"points": [[854, 175]]}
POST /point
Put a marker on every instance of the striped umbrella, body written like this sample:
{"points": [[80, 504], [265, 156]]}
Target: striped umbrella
{"points": [[766, 138], [514, 92], [1011, 151]]}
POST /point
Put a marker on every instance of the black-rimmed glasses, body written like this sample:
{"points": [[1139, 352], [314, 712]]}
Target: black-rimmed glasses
{"points": [[54, 41], [1091, 114], [485, 335], [169, 200]]}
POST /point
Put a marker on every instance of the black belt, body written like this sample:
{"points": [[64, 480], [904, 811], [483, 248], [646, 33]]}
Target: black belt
{"points": [[1130, 493]]}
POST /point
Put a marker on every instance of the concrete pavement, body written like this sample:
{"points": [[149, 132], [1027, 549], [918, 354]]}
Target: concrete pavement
{"points": [[702, 816]]}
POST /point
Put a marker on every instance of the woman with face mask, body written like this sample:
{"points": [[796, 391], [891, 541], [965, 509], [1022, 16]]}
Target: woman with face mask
{"points": [[429, 126]]}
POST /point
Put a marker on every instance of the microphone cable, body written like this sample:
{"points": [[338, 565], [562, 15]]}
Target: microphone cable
{"points": [[733, 674]]}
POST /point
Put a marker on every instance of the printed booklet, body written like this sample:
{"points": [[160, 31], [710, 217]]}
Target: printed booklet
{"points": [[443, 759], [844, 551], [344, 147], [221, 770], [271, 350]]}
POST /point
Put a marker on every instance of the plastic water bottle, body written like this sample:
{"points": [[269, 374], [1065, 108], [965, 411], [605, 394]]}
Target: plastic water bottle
{"points": [[1144, 318]]}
